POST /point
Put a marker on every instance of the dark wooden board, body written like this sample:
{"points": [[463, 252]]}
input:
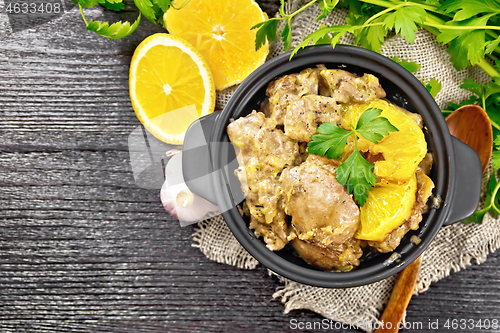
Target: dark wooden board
{"points": [[83, 249]]}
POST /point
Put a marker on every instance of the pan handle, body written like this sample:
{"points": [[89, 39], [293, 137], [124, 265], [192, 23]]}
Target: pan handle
{"points": [[468, 179], [196, 160]]}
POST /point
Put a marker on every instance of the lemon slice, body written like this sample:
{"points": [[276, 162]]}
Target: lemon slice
{"points": [[221, 31], [170, 86], [387, 207]]}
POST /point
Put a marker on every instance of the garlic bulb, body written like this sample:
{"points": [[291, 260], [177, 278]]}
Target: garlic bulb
{"points": [[178, 200]]}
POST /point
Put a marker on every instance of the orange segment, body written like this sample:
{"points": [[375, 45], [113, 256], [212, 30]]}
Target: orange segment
{"points": [[170, 86], [387, 207], [402, 150], [220, 30]]}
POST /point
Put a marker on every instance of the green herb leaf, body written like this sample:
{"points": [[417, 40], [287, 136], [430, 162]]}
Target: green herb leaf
{"points": [[495, 156], [467, 46], [468, 8], [453, 106], [411, 67], [330, 141], [477, 217], [268, 31], [319, 35], [404, 20], [490, 46], [114, 31], [286, 36], [326, 6], [109, 4], [115, 5], [433, 2], [491, 201], [434, 87], [357, 174], [483, 91], [325, 40], [150, 11], [372, 127]]}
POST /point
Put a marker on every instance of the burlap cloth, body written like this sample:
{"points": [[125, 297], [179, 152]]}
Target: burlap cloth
{"points": [[454, 248]]}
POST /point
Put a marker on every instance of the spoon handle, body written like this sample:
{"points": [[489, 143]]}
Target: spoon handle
{"points": [[400, 297]]}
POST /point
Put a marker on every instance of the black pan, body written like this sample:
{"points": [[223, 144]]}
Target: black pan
{"points": [[209, 163]]}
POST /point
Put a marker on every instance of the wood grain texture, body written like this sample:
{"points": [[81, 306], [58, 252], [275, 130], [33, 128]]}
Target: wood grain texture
{"points": [[83, 249]]}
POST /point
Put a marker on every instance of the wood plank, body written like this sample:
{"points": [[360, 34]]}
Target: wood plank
{"points": [[83, 249]]}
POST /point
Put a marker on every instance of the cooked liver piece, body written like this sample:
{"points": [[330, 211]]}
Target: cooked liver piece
{"points": [[322, 211], [263, 153], [346, 87]]}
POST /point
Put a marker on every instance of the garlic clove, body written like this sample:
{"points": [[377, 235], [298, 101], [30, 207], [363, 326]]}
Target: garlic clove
{"points": [[178, 200]]}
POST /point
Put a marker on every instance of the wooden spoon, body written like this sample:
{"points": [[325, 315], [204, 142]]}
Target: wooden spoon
{"points": [[470, 124]]}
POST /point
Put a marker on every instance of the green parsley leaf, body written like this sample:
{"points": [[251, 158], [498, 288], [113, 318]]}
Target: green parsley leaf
{"points": [[469, 8], [490, 46], [453, 106], [114, 31], [495, 159], [115, 5], [286, 35], [411, 67], [152, 10], [325, 40], [489, 95], [491, 201], [372, 127], [357, 174], [319, 35], [331, 141], [109, 4], [434, 87], [268, 31], [433, 2], [483, 91], [326, 6], [404, 20], [467, 46]]}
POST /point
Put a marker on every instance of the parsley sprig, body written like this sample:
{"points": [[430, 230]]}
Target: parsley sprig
{"points": [[153, 10], [468, 27], [356, 173], [268, 30]]}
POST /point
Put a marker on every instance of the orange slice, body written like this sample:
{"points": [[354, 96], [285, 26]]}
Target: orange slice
{"points": [[402, 150], [220, 30], [387, 207], [170, 86]]}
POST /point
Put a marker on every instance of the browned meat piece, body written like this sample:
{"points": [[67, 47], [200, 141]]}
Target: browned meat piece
{"points": [[346, 87], [341, 257], [424, 191], [289, 88], [323, 213], [275, 235], [304, 114], [263, 153]]}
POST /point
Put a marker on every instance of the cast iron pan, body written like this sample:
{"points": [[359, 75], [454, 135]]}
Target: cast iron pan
{"points": [[209, 163]]}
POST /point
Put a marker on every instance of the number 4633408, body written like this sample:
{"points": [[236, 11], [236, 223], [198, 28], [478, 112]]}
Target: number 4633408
{"points": [[470, 324], [33, 8]]}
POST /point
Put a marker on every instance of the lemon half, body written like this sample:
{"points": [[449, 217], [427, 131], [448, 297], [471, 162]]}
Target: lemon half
{"points": [[170, 86]]}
